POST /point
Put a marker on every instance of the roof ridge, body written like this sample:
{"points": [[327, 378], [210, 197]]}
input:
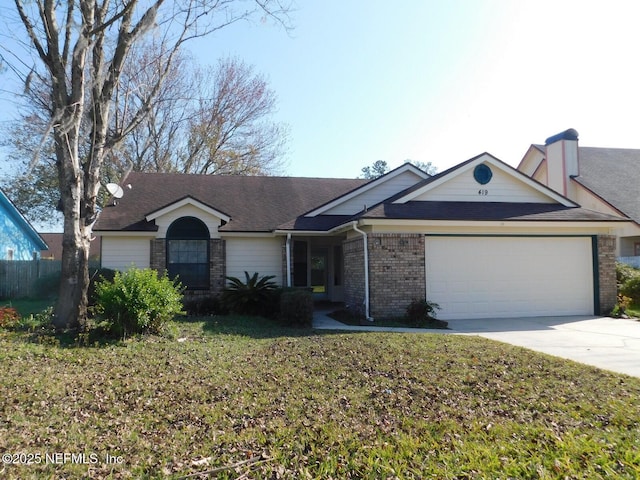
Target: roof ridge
{"points": [[227, 176]]}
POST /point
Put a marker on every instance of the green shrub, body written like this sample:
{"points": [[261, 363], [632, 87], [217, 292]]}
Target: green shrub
{"points": [[97, 275], [625, 272], [631, 289], [204, 306], [139, 301], [420, 312], [620, 308], [255, 296], [37, 322], [296, 307]]}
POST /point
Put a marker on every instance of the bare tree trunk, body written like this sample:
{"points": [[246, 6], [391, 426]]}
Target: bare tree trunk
{"points": [[71, 307], [83, 46]]}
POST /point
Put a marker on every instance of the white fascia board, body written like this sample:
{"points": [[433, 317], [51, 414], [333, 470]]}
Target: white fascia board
{"points": [[486, 158], [560, 224], [246, 234], [372, 184], [182, 203], [305, 233]]}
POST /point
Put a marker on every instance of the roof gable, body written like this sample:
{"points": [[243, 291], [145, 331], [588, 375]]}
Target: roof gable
{"points": [[373, 192], [532, 160], [189, 200], [504, 184], [188, 207]]}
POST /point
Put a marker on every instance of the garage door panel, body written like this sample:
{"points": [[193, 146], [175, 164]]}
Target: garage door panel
{"points": [[480, 277]]}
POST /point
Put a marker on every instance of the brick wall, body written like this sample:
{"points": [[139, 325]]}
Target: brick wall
{"points": [[396, 272], [158, 254], [217, 265], [353, 254], [607, 272]]}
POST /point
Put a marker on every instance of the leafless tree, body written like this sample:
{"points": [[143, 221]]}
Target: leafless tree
{"points": [[214, 120], [229, 131], [81, 48]]}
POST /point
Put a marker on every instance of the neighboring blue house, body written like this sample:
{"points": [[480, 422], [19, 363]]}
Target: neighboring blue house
{"points": [[18, 239]]}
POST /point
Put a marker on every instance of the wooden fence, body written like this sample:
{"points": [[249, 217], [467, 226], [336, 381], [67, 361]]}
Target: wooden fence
{"points": [[19, 278]]}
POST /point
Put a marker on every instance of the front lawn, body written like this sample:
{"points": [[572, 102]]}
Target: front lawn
{"points": [[240, 400]]}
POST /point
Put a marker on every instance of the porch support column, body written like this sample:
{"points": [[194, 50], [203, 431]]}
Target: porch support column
{"points": [[288, 255]]}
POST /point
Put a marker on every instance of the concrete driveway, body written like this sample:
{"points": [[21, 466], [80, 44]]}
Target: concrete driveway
{"points": [[607, 343]]}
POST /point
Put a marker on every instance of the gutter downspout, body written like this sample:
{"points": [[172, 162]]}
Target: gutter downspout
{"points": [[288, 255], [366, 269]]}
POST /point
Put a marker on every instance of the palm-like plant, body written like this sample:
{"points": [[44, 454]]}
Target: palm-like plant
{"points": [[254, 296]]}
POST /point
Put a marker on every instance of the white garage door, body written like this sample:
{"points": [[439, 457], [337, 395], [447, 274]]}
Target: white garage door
{"points": [[484, 277]]}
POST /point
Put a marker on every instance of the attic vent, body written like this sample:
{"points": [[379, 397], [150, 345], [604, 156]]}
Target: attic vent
{"points": [[482, 174]]}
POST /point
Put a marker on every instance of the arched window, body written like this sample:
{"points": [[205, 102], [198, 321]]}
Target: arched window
{"points": [[188, 252]]}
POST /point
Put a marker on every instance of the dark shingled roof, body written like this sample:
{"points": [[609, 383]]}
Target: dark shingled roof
{"points": [[255, 204], [485, 211], [614, 175], [264, 204], [319, 223]]}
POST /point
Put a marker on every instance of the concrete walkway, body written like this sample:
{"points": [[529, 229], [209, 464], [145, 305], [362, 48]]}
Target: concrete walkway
{"points": [[607, 343]]}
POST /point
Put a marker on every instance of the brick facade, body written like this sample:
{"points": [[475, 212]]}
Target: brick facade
{"points": [[396, 272], [217, 265], [606, 245], [353, 255], [158, 254]]}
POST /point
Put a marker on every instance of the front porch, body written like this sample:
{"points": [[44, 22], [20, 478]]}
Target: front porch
{"points": [[317, 263]]}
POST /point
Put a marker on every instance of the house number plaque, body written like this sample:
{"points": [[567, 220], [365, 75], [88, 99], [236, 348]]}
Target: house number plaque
{"points": [[483, 192]]}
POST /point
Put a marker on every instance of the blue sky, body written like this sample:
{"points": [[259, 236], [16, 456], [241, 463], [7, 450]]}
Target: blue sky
{"points": [[442, 81]]}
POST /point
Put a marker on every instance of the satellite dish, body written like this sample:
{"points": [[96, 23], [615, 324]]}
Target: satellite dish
{"points": [[115, 190]]}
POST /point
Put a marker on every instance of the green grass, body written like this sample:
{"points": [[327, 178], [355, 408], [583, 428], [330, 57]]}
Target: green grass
{"points": [[293, 403], [633, 311]]}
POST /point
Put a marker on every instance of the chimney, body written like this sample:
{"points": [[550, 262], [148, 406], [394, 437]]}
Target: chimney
{"points": [[562, 161]]}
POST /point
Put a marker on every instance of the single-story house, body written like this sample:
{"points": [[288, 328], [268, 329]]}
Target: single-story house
{"points": [[481, 239], [602, 179], [18, 239]]}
